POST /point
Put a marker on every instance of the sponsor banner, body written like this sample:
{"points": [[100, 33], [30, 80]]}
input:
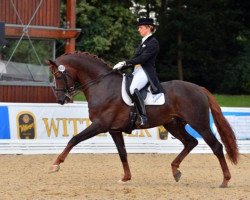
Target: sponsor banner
{"points": [[54, 122], [46, 128], [47, 121], [4, 123], [238, 118]]}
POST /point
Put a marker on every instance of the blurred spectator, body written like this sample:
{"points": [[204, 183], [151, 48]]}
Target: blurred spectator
{"points": [[2, 65]]}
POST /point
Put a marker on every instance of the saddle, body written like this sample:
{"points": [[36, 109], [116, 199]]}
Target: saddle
{"points": [[148, 97]]}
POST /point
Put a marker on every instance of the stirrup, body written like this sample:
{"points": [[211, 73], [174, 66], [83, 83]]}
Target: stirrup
{"points": [[142, 120]]}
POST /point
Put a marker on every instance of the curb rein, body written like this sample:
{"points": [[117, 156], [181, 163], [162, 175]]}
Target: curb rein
{"points": [[73, 90]]}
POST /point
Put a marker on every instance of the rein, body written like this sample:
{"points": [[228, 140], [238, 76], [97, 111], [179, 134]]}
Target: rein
{"points": [[72, 91], [93, 82]]}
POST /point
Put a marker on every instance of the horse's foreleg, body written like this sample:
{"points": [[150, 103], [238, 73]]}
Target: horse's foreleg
{"points": [[119, 142], [177, 129], [91, 131]]}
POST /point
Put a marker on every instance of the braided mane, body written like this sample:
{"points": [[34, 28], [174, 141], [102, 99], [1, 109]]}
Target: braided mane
{"points": [[87, 54]]}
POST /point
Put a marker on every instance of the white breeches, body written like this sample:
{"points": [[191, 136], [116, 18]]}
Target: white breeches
{"points": [[140, 79]]}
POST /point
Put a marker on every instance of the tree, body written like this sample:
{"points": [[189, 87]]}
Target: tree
{"points": [[210, 44], [209, 39], [108, 29]]}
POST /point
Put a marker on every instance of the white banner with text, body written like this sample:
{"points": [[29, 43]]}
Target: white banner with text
{"points": [[46, 128]]}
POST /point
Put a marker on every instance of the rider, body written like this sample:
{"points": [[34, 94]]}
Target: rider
{"points": [[144, 66]]}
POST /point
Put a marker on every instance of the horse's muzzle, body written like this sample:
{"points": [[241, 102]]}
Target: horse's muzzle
{"points": [[63, 99], [61, 102]]}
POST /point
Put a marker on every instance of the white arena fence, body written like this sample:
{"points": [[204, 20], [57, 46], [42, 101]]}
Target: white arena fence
{"points": [[27, 128]]}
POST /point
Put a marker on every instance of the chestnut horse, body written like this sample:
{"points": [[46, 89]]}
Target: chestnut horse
{"points": [[186, 103]]}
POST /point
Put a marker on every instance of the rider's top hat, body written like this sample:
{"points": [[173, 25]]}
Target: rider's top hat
{"points": [[145, 21]]}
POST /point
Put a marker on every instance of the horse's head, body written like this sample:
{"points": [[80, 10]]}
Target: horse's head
{"points": [[65, 82], [75, 71]]}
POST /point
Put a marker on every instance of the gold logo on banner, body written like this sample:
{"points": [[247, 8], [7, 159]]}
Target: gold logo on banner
{"points": [[163, 133], [26, 125], [69, 127]]}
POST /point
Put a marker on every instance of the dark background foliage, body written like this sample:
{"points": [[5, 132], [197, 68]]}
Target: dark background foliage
{"points": [[204, 42]]}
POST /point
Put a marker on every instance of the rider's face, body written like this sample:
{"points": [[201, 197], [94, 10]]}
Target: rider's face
{"points": [[144, 30]]}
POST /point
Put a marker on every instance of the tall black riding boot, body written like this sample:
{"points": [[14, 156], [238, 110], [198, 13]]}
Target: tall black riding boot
{"points": [[139, 103]]}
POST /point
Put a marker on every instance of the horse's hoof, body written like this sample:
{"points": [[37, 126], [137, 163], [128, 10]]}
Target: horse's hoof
{"points": [[223, 185], [54, 168], [177, 176], [121, 182]]}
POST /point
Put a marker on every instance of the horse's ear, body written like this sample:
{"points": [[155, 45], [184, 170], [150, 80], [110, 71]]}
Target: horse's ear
{"points": [[51, 63]]}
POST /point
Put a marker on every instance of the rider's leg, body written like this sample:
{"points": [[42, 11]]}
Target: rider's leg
{"points": [[139, 81], [139, 102]]}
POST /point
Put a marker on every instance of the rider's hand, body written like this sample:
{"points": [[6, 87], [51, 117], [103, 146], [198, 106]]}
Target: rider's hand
{"points": [[119, 65]]}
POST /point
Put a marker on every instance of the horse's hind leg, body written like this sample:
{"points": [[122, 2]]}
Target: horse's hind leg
{"points": [[119, 142], [217, 149], [177, 129]]}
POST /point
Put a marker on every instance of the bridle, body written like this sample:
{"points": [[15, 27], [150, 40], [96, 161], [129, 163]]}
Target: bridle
{"points": [[71, 91], [68, 90]]}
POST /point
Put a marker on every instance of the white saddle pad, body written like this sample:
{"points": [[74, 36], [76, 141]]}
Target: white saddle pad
{"points": [[151, 99]]}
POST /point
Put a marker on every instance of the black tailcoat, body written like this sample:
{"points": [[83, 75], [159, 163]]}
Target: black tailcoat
{"points": [[146, 57]]}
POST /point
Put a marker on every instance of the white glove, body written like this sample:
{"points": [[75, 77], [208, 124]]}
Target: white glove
{"points": [[119, 65]]}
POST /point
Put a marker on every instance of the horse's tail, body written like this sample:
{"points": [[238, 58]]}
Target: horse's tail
{"points": [[226, 133]]}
